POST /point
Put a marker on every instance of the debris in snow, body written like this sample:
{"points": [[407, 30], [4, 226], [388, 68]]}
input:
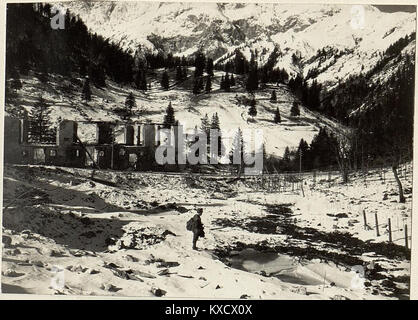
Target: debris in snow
{"points": [[137, 237], [110, 287], [131, 258], [126, 274], [158, 292], [78, 253], [91, 271], [11, 273], [55, 253], [164, 272], [12, 252], [167, 264], [110, 265], [77, 268], [300, 290], [168, 232], [37, 263], [110, 241]]}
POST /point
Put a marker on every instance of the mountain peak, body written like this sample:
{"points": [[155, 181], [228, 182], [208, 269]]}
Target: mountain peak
{"points": [[356, 32]]}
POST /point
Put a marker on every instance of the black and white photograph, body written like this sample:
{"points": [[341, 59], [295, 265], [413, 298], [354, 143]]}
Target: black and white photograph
{"points": [[208, 150]]}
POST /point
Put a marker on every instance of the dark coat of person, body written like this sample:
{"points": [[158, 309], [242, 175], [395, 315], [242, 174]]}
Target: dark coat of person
{"points": [[197, 226]]}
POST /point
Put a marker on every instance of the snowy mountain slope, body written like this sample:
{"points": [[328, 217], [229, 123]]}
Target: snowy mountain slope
{"points": [[218, 29], [392, 66]]}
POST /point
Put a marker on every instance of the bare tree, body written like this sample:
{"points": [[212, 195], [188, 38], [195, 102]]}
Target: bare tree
{"points": [[395, 156], [342, 147]]}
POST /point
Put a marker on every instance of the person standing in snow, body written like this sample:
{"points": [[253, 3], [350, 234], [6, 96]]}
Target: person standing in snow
{"points": [[196, 226]]}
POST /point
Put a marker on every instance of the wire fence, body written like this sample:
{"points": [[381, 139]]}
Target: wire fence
{"points": [[286, 181], [394, 226], [390, 224]]}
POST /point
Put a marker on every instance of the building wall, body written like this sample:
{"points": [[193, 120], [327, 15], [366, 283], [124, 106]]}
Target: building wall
{"points": [[149, 135], [129, 135], [136, 153], [67, 132], [12, 138], [104, 156], [105, 133]]}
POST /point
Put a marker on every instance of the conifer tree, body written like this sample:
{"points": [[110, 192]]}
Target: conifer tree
{"points": [[179, 73], [199, 64], [252, 80], [169, 119], [130, 103], [285, 163], [205, 126], [184, 73], [286, 155], [196, 86], [86, 92], [15, 84], [294, 111], [216, 125], [303, 155], [237, 152], [98, 75], [209, 67], [165, 82], [200, 84], [208, 87], [273, 97], [138, 79], [222, 83], [277, 118], [43, 75], [232, 80], [39, 123], [252, 110], [144, 86], [227, 83], [10, 95]]}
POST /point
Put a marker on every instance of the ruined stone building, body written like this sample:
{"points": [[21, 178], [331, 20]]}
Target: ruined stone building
{"points": [[134, 149]]}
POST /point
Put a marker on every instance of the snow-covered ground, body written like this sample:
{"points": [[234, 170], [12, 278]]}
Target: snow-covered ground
{"points": [[123, 233]]}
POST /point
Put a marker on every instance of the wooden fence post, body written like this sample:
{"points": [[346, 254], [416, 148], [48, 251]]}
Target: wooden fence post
{"points": [[365, 220], [390, 230], [406, 236], [301, 187], [377, 225]]}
